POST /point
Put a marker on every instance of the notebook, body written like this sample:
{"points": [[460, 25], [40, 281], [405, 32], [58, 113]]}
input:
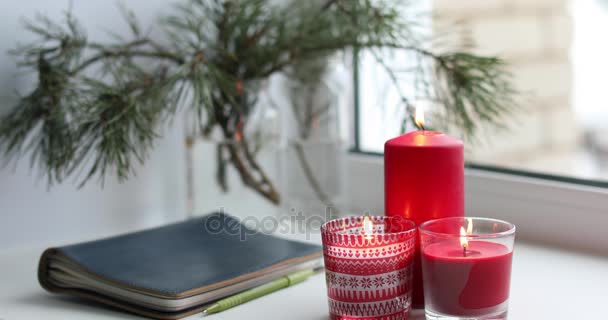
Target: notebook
{"points": [[176, 270]]}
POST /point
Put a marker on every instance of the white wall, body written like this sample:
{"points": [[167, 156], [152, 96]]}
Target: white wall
{"points": [[31, 214]]}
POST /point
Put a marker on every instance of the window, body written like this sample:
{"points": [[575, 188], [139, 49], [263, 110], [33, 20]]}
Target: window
{"points": [[548, 173], [557, 63]]}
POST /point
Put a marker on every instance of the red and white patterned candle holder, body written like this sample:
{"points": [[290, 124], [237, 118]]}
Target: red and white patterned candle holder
{"points": [[368, 267]]}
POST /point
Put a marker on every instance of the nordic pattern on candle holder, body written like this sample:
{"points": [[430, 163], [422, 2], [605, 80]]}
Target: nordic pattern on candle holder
{"points": [[373, 266], [368, 276]]}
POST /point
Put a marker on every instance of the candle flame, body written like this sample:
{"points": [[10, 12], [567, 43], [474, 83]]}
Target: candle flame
{"points": [[419, 117], [464, 242], [368, 227]]}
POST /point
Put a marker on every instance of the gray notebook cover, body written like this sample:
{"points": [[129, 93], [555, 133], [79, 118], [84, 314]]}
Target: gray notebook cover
{"points": [[178, 260]]}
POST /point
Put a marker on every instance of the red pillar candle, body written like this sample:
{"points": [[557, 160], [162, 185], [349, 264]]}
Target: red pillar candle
{"points": [[423, 180]]}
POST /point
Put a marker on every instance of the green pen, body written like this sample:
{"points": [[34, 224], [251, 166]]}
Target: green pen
{"points": [[260, 291]]}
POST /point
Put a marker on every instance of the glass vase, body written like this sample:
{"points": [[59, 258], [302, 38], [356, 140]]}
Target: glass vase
{"points": [[313, 146]]}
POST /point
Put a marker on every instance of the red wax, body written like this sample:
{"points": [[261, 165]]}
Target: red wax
{"points": [[423, 180], [471, 285]]}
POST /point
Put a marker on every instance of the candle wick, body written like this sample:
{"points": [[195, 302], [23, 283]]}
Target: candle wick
{"points": [[422, 127], [464, 251]]}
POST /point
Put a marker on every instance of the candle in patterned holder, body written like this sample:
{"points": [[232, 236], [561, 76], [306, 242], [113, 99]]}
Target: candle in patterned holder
{"points": [[368, 267]]}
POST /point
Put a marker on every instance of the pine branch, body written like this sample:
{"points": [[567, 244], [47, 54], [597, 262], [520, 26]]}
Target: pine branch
{"points": [[126, 51], [97, 107]]}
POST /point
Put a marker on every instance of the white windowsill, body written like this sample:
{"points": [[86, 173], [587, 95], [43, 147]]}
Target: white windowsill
{"points": [[546, 284]]}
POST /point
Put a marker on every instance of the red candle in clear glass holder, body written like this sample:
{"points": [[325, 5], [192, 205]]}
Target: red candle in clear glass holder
{"points": [[466, 266], [368, 267]]}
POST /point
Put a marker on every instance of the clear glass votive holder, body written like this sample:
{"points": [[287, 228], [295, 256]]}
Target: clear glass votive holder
{"points": [[466, 267], [368, 267]]}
